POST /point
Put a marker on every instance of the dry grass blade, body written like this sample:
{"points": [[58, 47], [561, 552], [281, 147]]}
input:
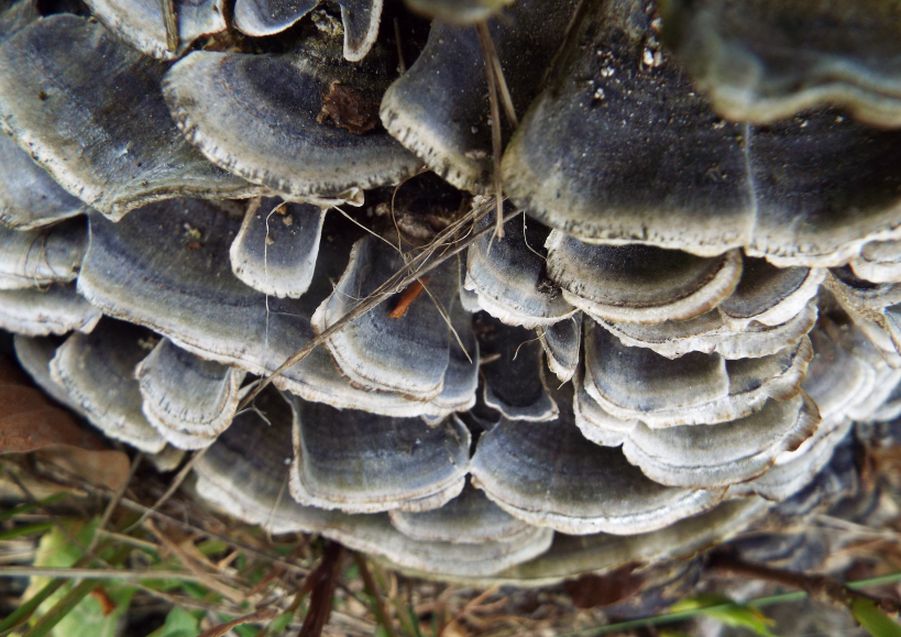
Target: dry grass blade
{"points": [[193, 565], [170, 19], [497, 142], [491, 58], [421, 264], [401, 65], [261, 615]]}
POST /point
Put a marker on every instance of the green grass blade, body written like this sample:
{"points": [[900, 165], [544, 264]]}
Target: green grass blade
{"points": [[873, 619], [63, 607], [23, 612], [23, 531]]}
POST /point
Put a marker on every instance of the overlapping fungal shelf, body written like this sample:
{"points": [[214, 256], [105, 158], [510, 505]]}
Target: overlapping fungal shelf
{"points": [[695, 300]]}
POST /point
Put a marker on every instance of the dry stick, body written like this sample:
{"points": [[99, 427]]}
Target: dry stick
{"points": [[820, 587], [170, 19], [417, 267], [381, 612], [497, 141], [329, 563], [323, 580]]}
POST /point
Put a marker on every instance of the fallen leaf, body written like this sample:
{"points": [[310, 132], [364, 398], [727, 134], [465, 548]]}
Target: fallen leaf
{"points": [[591, 591], [31, 423]]}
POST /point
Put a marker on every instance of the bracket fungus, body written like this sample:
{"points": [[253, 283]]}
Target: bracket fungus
{"points": [[144, 24], [275, 250], [190, 401], [29, 197], [759, 64], [692, 315], [301, 123], [89, 110], [507, 276], [35, 258], [437, 108], [359, 20], [97, 370]]}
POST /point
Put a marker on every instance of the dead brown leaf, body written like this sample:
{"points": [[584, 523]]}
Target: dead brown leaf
{"points": [[30, 423], [592, 591]]}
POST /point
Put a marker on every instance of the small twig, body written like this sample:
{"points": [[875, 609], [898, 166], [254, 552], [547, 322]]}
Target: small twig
{"points": [[137, 506], [381, 612], [469, 606], [184, 601], [323, 581], [819, 587], [132, 505], [121, 538]]}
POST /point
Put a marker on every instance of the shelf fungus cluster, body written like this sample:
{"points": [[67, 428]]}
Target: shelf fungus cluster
{"points": [[695, 298]]}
